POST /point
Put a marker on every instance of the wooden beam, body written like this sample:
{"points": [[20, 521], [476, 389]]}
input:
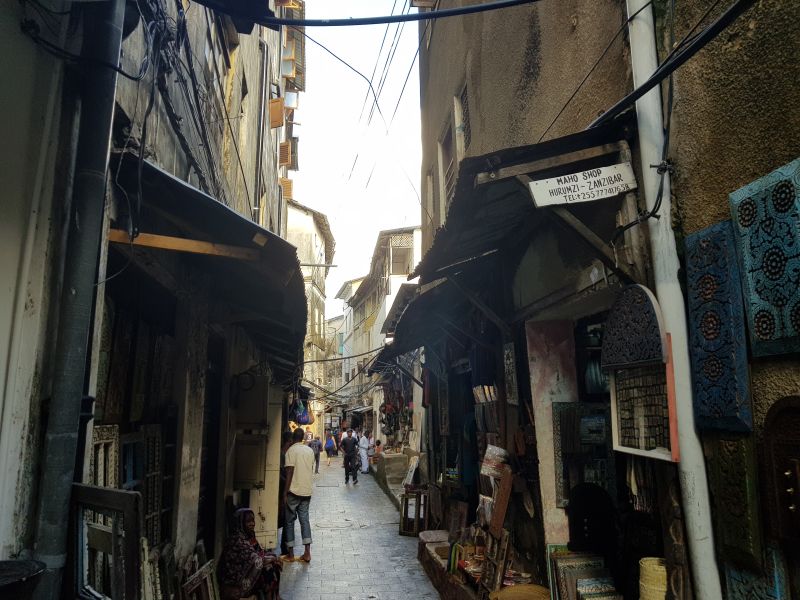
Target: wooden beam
{"points": [[165, 242], [603, 250], [482, 306], [547, 163], [409, 374]]}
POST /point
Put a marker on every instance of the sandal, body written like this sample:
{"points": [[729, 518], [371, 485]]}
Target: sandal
{"points": [[287, 558]]}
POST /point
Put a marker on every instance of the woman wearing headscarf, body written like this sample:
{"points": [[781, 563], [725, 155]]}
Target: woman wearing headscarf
{"points": [[245, 568]]}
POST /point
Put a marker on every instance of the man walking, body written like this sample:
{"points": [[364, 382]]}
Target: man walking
{"points": [[299, 487], [363, 447], [316, 446], [350, 447]]}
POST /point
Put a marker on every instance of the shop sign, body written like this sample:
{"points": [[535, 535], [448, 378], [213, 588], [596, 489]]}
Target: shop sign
{"points": [[585, 186]]}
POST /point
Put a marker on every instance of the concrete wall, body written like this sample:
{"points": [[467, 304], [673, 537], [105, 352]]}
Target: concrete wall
{"points": [[32, 203], [520, 66], [735, 120]]}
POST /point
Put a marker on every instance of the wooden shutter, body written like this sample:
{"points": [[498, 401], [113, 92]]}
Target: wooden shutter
{"points": [[286, 186], [285, 154], [276, 112]]}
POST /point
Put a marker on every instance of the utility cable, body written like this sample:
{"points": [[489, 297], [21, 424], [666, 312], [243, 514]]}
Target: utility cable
{"points": [[377, 60], [676, 59], [349, 66], [591, 70], [435, 14], [305, 362]]}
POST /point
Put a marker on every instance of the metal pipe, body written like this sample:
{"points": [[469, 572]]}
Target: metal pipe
{"points": [[691, 468], [103, 38]]}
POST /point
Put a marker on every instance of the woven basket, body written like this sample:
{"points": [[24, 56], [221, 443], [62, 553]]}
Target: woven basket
{"points": [[523, 591], [652, 579]]}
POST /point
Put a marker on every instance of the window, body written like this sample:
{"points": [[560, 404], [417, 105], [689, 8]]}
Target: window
{"points": [[401, 261], [462, 122], [447, 172]]}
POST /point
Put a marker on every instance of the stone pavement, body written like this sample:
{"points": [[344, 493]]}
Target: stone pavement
{"points": [[357, 553]]}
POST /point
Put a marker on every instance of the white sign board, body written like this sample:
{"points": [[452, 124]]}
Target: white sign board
{"points": [[585, 186]]}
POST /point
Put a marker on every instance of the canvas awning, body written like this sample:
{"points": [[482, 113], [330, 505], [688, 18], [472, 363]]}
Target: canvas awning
{"points": [[253, 273], [491, 209]]}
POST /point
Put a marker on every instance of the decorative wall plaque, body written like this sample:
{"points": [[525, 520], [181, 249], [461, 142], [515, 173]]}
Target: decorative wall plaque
{"points": [[732, 477], [766, 218], [717, 333], [634, 333], [773, 585], [637, 351]]}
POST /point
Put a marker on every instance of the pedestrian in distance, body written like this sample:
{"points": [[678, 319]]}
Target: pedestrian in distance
{"points": [[349, 446], [363, 447], [309, 434], [330, 446], [297, 498], [316, 446]]}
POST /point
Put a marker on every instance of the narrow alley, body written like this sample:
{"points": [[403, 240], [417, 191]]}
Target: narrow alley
{"points": [[357, 552]]}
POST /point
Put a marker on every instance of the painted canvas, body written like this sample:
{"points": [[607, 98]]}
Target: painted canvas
{"points": [[766, 219]]}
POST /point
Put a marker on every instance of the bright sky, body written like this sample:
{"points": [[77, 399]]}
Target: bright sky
{"points": [[381, 190]]}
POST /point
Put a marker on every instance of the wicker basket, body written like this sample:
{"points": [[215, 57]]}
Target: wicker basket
{"points": [[523, 591], [652, 579]]}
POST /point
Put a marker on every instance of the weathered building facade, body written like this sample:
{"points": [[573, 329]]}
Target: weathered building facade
{"points": [[310, 232], [535, 285], [368, 305], [195, 303]]}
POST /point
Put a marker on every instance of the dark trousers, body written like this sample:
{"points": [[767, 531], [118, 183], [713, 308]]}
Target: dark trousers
{"points": [[350, 467], [316, 462]]}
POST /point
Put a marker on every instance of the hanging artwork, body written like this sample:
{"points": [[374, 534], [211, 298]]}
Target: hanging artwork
{"points": [[742, 584], [732, 477], [717, 335], [510, 371], [634, 332], [766, 218], [637, 352]]}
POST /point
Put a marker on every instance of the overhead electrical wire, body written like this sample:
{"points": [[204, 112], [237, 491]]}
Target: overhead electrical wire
{"points": [[676, 59], [435, 14], [377, 60], [592, 69]]}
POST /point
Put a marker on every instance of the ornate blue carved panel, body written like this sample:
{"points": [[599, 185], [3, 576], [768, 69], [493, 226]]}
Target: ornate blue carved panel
{"points": [[717, 333], [766, 218], [745, 585], [634, 334]]}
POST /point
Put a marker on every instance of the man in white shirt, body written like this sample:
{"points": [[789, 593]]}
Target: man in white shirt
{"points": [[297, 497], [363, 446]]}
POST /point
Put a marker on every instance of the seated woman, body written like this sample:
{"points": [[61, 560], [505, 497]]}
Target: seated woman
{"points": [[245, 568]]}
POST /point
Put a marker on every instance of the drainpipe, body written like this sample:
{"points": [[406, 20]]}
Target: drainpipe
{"points": [[691, 468], [103, 37]]}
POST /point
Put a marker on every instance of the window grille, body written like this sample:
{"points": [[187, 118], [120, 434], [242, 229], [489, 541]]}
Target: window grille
{"points": [[465, 123]]}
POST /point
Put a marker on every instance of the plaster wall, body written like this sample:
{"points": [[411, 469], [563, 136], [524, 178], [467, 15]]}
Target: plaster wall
{"points": [[520, 66], [34, 112], [551, 357], [735, 120]]}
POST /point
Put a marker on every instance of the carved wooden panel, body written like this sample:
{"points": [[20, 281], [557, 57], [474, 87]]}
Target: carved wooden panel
{"points": [[717, 333], [634, 332], [152, 475], [732, 477], [782, 469], [766, 217], [742, 584]]}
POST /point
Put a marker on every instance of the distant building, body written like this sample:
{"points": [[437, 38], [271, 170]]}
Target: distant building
{"points": [[310, 232]]}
